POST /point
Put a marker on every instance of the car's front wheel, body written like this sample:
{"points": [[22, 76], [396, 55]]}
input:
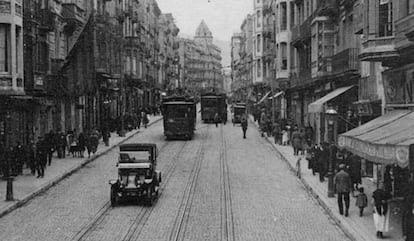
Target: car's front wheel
{"points": [[150, 199]]}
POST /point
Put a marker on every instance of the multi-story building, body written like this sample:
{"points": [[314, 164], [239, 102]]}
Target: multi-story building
{"points": [[200, 61], [169, 55], [246, 57], [326, 69], [212, 73], [236, 68], [12, 114]]}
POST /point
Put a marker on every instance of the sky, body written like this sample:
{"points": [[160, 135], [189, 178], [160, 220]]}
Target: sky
{"points": [[223, 17]]}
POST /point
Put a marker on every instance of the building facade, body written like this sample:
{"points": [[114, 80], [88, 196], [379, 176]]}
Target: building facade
{"points": [[86, 64], [201, 61], [13, 114]]}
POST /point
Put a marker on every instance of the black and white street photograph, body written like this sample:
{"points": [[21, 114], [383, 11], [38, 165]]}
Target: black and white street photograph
{"points": [[206, 120]]}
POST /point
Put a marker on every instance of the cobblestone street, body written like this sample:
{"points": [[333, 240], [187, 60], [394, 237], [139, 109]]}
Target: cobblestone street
{"points": [[215, 187]]}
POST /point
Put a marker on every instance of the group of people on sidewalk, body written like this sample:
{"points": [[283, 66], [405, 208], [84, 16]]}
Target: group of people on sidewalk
{"points": [[36, 156]]}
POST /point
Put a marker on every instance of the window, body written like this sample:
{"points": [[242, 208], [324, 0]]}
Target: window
{"points": [[259, 68], [4, 47], [385, 18], [258, 43], [258, 19], [292, 14], [283, 22], [283, 49]]}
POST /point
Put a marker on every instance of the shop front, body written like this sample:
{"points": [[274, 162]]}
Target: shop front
{"points": [[341, 100], [387, 145]]}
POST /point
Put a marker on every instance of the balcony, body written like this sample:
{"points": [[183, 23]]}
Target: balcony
{"points": [[346, 61], [379, 49], [404, 30], [301, 33], [327, 8], [47, 19], [73, 15], [300, 78]]}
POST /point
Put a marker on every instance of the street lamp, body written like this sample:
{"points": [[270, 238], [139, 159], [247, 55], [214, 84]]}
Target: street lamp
{"points": [[9, 178], [331, 118]]}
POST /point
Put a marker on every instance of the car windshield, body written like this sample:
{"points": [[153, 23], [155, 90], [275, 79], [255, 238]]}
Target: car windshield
{"points": [[134, 157]]}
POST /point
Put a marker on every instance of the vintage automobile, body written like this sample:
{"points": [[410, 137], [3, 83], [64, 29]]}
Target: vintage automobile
{"points": [[138, 178], [238, 110]]}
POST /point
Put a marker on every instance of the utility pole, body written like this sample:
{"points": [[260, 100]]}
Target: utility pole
{"points": [[121, 26]]}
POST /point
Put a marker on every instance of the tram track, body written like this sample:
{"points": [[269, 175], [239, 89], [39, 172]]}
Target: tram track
{"points": [[182, 218], [85, 232], [226, 211]]}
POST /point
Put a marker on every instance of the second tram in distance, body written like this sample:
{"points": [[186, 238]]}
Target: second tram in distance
{"points": [[212, 103]]}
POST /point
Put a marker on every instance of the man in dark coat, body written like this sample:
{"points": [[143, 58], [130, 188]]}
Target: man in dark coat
{"points": [[322, 161], [31, 157], [296, 141], [41, 157], [244, 125], [50, 143], [61, 145], [343, 185], [19, 159]]}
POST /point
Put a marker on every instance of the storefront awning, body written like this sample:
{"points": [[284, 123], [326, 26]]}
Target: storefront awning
{"points": [[276, 95], [317, 106], [386, 139], [264, 97]]}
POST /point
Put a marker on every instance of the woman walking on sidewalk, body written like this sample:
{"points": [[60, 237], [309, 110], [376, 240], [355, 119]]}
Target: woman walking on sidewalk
{"points": [[381, 214]]}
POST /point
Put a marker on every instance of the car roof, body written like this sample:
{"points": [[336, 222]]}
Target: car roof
{"points": [[137, 147]]}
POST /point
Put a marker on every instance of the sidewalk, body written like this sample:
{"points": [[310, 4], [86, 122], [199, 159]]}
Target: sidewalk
{"points": [[27, 186], [354, 226]]}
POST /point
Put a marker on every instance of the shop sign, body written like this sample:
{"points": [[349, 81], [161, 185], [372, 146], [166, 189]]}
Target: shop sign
{"points": [[364, 109], [39, 80], [5, 81]]}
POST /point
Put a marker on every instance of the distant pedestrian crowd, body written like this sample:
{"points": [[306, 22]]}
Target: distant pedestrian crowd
{"points": [[36, 156]]}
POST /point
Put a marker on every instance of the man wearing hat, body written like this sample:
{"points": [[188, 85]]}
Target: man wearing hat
{"points": [[343, 185]]}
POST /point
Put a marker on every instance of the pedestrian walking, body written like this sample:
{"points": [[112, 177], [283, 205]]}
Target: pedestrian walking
{"points": [[322, 161], [285, 137], [381, 214], [19, 158], [92, 143], [216, 119], [31, 157], [105, 135], [296, 141], [311, 156], [343, 185], [81, 144], [263, 122], [361, 201], [61, 145], [244, 125], [50, 143], [145, 118], [41, 157]]}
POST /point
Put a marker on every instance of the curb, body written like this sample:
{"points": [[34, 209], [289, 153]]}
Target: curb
{"points": [[60, 178], [310, 190]]}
